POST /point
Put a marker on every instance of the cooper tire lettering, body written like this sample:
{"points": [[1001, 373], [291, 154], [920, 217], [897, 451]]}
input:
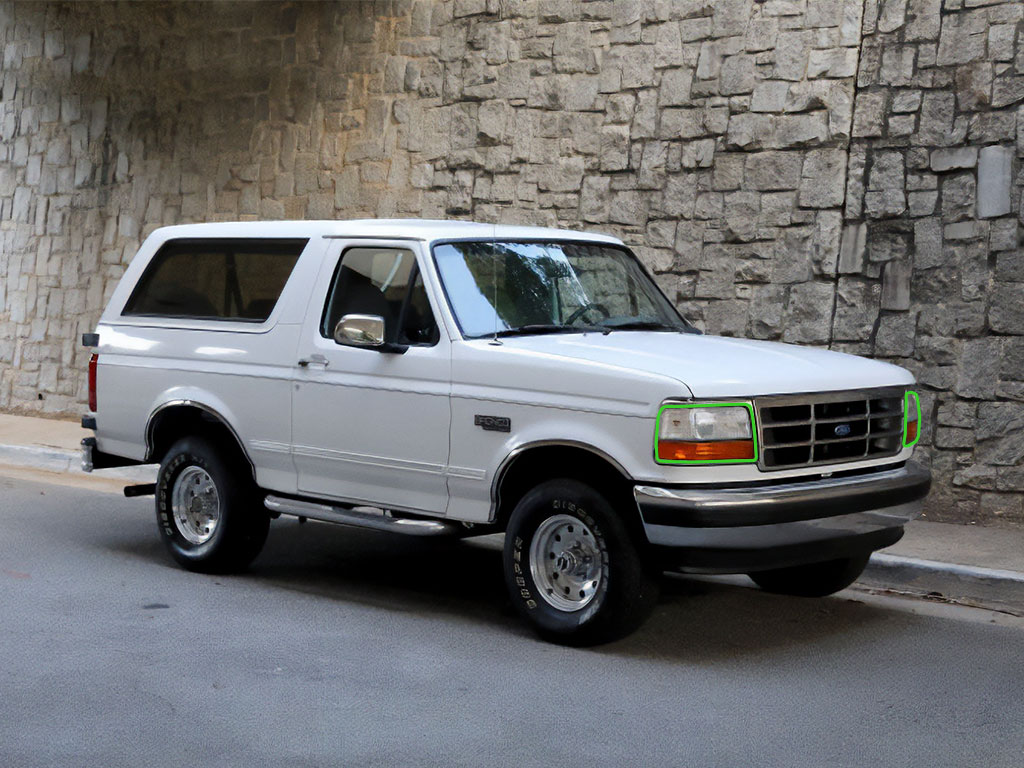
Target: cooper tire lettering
{"points": [[625, 591]]}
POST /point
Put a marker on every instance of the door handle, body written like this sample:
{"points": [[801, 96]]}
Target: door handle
{"points": [[313, 360]]}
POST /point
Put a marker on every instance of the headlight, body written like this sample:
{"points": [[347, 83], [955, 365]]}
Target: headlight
{"points": [[705, 433], [911, 418]]}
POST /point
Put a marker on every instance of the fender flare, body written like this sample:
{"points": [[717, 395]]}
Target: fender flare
{"points": [[515, 453], [188, 403]]}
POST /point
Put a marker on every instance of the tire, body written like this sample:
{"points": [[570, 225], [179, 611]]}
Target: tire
{"points": [[564, 529], [814, 580], [208, 508]]}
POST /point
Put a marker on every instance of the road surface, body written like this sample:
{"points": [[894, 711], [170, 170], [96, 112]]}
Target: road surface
{"points": [[348, 647]]}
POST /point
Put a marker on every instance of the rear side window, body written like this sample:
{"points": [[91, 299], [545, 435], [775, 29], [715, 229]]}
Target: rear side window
{"points": [[215, 279]]}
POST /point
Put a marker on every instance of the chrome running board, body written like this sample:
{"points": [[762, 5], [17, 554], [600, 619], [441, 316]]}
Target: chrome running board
{"points": [[379, 521]]}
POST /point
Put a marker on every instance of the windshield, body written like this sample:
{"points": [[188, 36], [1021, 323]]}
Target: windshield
{"points": [[509, 288]]}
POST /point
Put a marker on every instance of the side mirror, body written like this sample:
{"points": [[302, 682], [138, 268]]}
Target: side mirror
{"points": [[360, 331]]}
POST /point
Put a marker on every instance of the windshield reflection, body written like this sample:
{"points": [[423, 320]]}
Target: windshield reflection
{"points": [[512, 287]]}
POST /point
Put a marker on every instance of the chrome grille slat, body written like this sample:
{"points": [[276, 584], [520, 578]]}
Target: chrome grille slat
{"points": [[838, 419], [874, 420], [831, 440], [830, 420]]}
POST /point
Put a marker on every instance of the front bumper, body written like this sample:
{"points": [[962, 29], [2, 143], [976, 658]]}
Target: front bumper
{"points": [[757, 527]]}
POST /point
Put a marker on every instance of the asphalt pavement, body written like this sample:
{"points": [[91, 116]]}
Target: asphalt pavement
{"points": [[346, 647], [967, 564]]}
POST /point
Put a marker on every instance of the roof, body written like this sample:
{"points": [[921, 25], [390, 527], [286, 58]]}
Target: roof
{"points": [[427, 230]]}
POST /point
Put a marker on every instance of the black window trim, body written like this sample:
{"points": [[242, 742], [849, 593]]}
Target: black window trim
{"points": [[526, 240], [413, 274], [134, 317]]}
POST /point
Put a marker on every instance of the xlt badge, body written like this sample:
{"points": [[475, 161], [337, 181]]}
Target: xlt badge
{"points": [[493, 423]]}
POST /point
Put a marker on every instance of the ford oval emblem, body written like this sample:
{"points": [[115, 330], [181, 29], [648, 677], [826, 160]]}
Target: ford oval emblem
{"points": [[842, 430]]}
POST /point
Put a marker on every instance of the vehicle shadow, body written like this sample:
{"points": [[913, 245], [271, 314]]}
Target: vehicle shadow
{"points": [[383, 569], [696, 620]]}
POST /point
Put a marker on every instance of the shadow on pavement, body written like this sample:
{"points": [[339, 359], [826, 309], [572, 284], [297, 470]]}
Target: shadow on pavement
{"points": [[696, 621]]}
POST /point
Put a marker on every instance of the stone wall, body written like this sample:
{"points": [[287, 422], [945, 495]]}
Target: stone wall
{"points": [[931, 270], [833, 172]]}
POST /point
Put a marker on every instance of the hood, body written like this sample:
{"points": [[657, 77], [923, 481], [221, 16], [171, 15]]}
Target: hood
{"points": [[717, 366]]}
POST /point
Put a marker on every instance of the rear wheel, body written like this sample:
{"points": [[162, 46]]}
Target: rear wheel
{"points": [[813, 580], [207, 507], [572, 568]]}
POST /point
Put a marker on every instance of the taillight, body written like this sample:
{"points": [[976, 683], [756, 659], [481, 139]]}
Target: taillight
{"points": [[92, 381]]}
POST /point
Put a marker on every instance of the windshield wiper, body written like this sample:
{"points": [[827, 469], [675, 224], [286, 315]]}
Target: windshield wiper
{"points": [[644, 325], [541, 328]]}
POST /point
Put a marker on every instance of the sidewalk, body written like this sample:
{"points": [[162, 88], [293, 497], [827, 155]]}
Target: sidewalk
{"points": [[976, 566], [54, 445]]}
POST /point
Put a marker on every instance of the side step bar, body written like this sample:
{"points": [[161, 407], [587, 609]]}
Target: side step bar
{"points": [[362, 519]]}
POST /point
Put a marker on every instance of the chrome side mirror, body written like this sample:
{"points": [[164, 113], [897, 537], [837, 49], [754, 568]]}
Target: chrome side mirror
{"points": [[360, 331]]}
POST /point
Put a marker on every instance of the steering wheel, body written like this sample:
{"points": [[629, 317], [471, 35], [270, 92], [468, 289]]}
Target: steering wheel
{"points": [[593, 305]]}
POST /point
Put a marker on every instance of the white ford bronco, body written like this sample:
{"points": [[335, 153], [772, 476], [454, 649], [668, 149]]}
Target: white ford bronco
{"points": [[453, 378]]}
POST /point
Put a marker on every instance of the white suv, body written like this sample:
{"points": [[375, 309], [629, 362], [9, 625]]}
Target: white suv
{"points": [[454, 378]]}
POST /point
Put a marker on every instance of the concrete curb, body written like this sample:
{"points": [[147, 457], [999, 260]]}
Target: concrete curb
{"points": [[51, 459], [998, 590], [59, 460]]}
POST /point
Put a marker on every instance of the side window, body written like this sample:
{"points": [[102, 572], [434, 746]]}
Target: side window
{"points": [[215, 279], [384, 282]]}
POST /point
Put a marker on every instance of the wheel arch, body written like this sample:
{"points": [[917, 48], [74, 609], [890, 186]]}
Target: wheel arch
{"points": [[174, 419], [532, 463]]}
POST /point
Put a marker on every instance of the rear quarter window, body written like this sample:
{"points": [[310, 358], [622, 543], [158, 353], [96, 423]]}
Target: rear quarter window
{"points": [[216, 279]]}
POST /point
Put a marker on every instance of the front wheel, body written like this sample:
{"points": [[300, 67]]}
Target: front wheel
{"points": [[572, 568], [813, 580], [207, 507]]}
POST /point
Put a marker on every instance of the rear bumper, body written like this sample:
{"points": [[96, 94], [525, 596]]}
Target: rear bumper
{"points": [[93, 458], [756, 527]]}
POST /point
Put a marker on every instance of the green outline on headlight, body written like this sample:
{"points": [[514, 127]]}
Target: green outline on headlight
{"points": [[906, 417], [691, 462]]}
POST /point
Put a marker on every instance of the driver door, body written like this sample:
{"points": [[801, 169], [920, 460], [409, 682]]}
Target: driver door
{"points": [[371, 426]]}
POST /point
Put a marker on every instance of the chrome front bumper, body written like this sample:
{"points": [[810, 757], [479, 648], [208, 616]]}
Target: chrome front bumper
{"points": [[754, 527]]}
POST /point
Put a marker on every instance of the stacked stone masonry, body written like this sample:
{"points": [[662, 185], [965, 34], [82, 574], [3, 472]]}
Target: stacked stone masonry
{"points": [[841, 173]]}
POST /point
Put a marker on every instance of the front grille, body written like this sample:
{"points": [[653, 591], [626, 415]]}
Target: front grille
{"points": [[829, 427]]}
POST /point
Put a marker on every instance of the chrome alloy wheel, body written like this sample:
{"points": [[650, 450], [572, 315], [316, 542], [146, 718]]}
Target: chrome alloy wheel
{"points": [[195, 505], [565, 562]]}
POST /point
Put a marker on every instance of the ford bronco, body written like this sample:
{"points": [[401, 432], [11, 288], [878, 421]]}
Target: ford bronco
{"points": [[443, 378]]}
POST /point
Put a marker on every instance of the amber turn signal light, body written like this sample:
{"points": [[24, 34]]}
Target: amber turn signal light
{"points": [[720, 450]]}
